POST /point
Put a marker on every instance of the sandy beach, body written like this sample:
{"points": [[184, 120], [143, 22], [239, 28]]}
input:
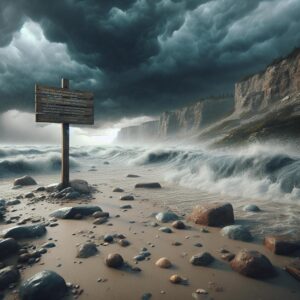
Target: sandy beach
{"points": [[100, 282]]}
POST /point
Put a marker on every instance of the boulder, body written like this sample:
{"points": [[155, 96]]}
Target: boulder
{"points": [[72, 212], [25, 232], [148, 185], [86, 250], [127, 198], [202, 259], [24, 181], [8, 247], [293, 268], [215, 215], [237, 232], [114, 261], [80, 186], [281, 245], [252, 264], [8, 275], [167, 216], [46, 285], [251, 208]]}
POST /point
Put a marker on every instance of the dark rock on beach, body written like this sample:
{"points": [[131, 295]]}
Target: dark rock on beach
{"points": [[148, 185], [8, 247], [132, 176], [215, 215], [8, 275], [13, 202], [118, 190], [237, 232], [72, 212], [281, 245], [24, 232], [46, 285], [127, 198], [251, 208], [80, 186], [202, 259], [24, 181], [86, 250], [252, 264], [114, 261], [178, 225]]}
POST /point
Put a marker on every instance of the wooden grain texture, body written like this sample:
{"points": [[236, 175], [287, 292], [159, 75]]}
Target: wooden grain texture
{"points": [[60, 105]]}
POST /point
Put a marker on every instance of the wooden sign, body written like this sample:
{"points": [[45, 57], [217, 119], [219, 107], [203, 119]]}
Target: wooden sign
{"points": [[60, 105]]}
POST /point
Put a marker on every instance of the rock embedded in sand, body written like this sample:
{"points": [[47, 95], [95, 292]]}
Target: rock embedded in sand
{"points": [[29, 195], [251, 208], [176, 279], [163, 263], [100, 214], [108, 238], [215, 215], [118, 190], [80, 186], [8, 275], [178, 225], [252, 264], [126, 206], [293, 268], [24, 181], [114, 260], [71, 212], [132, 176], [202, 259], [23, 232], [165, 229], [100, 221], [166, 217], [127, 198], [87, 250], [13, 202], [123, 243], [237, 232], [148, 185], [281, 245], [8, 247], [46, 285]]}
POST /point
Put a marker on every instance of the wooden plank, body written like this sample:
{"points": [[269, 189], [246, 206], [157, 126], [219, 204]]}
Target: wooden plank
{"points": [[67, 110], [44, 90], [64, 101], [57, 118]]}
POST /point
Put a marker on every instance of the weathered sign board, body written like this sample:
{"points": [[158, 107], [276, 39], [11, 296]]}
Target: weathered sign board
{"points": [[61, 105]]}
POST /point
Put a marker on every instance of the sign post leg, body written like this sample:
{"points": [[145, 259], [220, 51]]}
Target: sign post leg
{"points": [[65, 145]]}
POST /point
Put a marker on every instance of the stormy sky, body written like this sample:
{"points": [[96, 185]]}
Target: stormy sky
{"points": [[139, 57]]}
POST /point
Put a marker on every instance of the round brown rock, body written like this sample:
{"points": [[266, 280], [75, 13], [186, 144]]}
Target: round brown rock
{"points": [[252, 264], [114, 260], [176, 279], [178, 225], [163, 263]]}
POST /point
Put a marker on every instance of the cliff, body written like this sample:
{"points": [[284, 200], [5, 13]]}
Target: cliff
{"points": [[147, 131], [258, 92], [179, 122]]}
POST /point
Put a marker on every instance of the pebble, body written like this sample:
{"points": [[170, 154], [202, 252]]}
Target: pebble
{"points": [[164, 263], [114, 260], [176, 279], [165, 229]]}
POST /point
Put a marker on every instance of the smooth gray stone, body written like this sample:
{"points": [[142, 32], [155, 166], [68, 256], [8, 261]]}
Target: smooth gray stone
{"points": [[71, 212], [45, 285], [24, 232], [8, 275], [166, 217], [237, 232]]}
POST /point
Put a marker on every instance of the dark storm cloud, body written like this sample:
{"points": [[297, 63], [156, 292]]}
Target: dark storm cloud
{"points": [[145, 56]]}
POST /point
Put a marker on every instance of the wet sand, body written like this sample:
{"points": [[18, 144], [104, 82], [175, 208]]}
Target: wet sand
{"points": [[218, 279]]}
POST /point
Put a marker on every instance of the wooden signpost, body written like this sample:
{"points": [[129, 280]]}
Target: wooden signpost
{"points": [[61, 105]]}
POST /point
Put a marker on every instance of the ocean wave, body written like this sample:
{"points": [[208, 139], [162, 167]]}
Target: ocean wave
{"points": [[36, 164]]}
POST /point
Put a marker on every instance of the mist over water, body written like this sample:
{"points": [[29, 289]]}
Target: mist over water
{"points": [[267, 171]]}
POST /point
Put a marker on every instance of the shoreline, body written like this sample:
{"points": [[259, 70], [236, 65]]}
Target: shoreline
{"points": [[218, 279]]}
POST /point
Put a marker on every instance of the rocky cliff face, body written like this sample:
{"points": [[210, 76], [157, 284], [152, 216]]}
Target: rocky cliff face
{"points": [[281, 79], [147, 131], [186, 120], [194, 117]]}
